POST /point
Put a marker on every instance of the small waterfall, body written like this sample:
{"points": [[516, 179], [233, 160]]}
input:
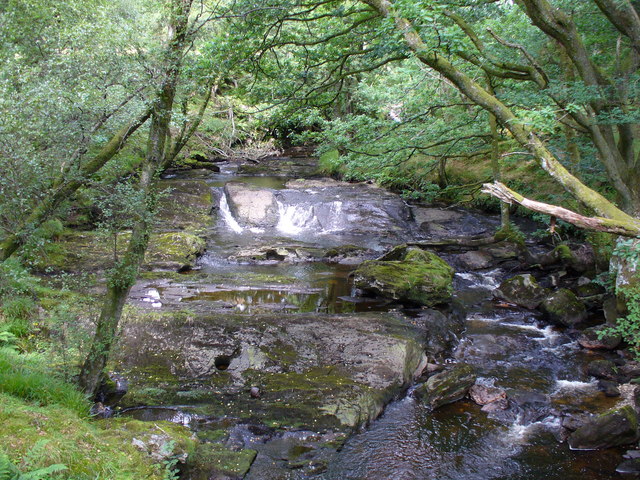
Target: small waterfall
{"points": [[227, 216], [293, 219], [334, 223]]}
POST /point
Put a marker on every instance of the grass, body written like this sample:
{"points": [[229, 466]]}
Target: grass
{"points": [[25, 377], [44, 424], [91, 450]]}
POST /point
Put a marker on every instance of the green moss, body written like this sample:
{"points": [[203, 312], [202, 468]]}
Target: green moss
{"points": [[603, 245], [282, 353], [563, 252], [215, 458], [212, 436], [90, 450], [407, 274], [318, 378], [510, 233], [174, 249]]}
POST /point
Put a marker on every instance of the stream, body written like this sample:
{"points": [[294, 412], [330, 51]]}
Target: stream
{"points": [[276, 264]]}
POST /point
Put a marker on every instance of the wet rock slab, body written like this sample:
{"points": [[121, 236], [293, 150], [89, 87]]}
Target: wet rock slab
{"points": [[313, 371]]}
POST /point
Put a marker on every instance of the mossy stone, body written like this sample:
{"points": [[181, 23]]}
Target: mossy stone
{"points": [[564, 308], [522, 290], [448, 386], [211, 458], [174, 250], [407, 274], [611, 429]]}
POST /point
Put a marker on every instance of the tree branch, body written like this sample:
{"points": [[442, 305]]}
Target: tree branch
{"points": [[630, 228]]}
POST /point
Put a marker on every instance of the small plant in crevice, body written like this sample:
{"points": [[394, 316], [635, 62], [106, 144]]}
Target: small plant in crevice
{"points": [[510, 233], [171, 471]]}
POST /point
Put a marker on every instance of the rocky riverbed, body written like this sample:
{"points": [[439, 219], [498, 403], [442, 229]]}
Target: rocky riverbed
{"points": [[302, 327]]}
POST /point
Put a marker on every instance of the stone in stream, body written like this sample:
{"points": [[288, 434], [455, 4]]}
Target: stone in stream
{"points": [[251, 205], [484, 394], [604, 369], [312, 370], [448, 386], [563, 308], [522, 290], [442, 331], [609, 388], [475, 260], [629, 466], [597, 338], [611, 429], [407, 274]]}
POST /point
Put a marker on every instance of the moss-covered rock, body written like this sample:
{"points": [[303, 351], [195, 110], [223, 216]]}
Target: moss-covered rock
{"points": [[174, 250], [407, 274], [564, 308], [611, 429], [448, 386], [212, 458], [522, 290], [185, 205], [312, 371], [92, 251]]}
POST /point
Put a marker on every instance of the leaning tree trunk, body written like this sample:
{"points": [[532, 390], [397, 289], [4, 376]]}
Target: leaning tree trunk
{"points": [[65, 187], [126, 271]]}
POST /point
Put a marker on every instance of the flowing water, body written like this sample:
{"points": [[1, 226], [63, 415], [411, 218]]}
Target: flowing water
{"points": [[540, 367]]}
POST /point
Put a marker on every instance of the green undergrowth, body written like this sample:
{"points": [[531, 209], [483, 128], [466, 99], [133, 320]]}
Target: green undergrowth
{"points": [[27, 377], [36, 436]]}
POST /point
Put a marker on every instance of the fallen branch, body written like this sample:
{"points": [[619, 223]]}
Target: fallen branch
{"points": [[600, 224]]}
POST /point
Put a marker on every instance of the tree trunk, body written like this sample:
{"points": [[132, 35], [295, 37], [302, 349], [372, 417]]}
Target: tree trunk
{"points": [[91, 372], [126, 271], [495, 159]]}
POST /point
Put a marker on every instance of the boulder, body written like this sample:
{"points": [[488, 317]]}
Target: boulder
{"points": [[484, 394], [251, 205], [475, 260], [442, 331], [407, 274], [611, 429], [522, 290], [579, 258], [448, 386], [598, 338], [563, 308], [174, 251], [603, 369], [312, 371], [609, 388]]}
